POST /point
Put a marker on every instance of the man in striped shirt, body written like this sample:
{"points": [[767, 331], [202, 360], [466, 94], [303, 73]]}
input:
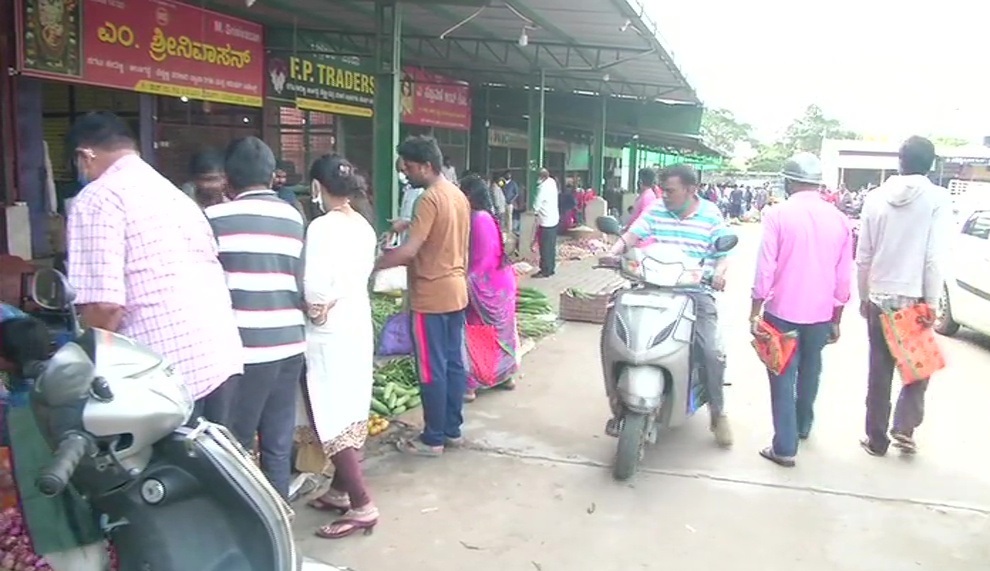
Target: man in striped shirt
{"points": [[260, 240], [683, 219]]}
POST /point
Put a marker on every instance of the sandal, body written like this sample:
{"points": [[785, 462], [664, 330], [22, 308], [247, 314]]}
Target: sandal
{"points": [[470, 396], [416, 447], [904, 443], [331, 503], [509, 385], [785, 461], [351, 523], [865, 443], [613, 427]]}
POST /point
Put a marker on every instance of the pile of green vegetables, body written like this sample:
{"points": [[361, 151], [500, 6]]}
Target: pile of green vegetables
{"points": [[396, 388], [534, 314], [382, 307]]}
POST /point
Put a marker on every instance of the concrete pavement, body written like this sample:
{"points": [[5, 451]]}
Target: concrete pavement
{"points": [[534, 492]]}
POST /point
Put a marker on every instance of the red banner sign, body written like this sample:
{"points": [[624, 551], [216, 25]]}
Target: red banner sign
{"points": [[432, 100], [150, 46]]}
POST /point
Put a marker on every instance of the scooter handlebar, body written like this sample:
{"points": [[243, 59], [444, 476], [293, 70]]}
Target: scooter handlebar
{"points": [[55, 477]]}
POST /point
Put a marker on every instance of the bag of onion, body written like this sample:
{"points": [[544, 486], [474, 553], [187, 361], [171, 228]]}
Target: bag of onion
{"points": [[17, 553]]}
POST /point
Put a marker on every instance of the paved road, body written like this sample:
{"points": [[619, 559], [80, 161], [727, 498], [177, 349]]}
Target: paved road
{"points": [[535, 493]]}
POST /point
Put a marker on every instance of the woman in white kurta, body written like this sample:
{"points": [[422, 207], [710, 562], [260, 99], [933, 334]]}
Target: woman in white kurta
{"points": [[340, 256]]}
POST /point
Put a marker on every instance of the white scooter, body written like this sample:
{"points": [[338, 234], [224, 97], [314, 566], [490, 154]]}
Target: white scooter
{"points": [[170, 497], [648, 347]]}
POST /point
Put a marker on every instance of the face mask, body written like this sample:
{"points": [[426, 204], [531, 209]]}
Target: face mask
{"points": [[316, 195]]}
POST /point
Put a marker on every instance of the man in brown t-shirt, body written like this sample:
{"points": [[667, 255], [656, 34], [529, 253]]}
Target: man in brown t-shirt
{"points": [[436, 252]]}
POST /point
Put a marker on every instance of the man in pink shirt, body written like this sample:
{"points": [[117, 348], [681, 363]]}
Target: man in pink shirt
{"points": [[647, 180], [803, 280], [143, 262]]}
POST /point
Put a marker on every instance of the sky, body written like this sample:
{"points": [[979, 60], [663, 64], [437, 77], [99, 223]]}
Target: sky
{"points": [[883, 68]]}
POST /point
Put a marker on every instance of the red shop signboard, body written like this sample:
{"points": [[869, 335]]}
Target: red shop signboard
{"points": [[433, 100], [150, 46]]}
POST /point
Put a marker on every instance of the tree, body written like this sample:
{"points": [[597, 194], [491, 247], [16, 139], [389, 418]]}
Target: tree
{"points": [[807, 132], [768, 157], [950, 142], [723, 131]]}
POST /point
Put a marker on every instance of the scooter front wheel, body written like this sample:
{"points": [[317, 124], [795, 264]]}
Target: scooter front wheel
{"points": [[632, 438]]}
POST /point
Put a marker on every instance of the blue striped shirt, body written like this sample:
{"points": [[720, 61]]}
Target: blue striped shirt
{"points": [[695, 235]]}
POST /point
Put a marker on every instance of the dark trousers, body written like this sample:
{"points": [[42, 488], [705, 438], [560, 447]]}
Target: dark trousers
{"points": [[215, 407], [438, 342], [793, 392], [265, 404], [910, 409], [547, 241]]}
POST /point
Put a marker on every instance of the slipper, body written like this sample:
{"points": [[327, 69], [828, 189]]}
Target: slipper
{"points": [[470, 396], [416, 447], [785, 461], [323, 505], [347, 526], [613, 427], [509, 385], [904, 443], [865, 443]]}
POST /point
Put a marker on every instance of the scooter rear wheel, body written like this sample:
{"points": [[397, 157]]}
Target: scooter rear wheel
{"points": [[632, 438]]}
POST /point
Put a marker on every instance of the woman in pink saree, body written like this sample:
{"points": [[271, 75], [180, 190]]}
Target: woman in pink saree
{"points": [[491, 339]]}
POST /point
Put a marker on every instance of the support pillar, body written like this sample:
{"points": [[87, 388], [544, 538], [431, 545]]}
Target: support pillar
{"points": [[537, 107], [598, 147], [634, 165], [147, 132], [388, 75]]}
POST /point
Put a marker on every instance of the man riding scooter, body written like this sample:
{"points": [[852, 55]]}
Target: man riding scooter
{"points": [[683, 219]]}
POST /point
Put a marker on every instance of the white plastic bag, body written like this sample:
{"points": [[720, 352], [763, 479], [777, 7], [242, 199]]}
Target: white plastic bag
{"points": [[391, 279]]}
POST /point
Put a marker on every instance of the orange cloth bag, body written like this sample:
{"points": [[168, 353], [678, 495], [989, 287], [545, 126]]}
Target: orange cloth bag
{"points": [[774, 348], [911, 343]]}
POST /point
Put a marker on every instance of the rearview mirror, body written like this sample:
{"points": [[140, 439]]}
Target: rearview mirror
{"points": [[608, 225], [726, 243], [51, 290], [66, 378]]}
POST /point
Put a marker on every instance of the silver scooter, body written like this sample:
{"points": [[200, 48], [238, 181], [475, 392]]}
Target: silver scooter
{"points": [[170, 497], [648, 347]]}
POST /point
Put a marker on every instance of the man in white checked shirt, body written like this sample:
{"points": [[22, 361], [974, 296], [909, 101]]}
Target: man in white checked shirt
{"points": [[143, 262]]}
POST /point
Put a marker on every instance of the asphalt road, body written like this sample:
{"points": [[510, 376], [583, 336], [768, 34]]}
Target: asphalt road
{"points": [[534, 490]]}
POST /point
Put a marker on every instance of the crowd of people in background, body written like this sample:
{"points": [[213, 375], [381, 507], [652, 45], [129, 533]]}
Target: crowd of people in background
{"points": [[262, 302]]}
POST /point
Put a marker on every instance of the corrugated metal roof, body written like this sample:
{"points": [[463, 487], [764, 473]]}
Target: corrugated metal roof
{"points": [[581, 45]]}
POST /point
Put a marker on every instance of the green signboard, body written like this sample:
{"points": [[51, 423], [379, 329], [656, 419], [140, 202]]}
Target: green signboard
{"points": [[302, 71]]}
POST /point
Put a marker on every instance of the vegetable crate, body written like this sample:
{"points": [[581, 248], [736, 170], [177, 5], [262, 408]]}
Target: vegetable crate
{"points": [[580, 306]]}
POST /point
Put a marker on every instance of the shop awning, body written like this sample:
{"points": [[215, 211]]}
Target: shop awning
{"points": [[678, 143], [661, 141], [590, 46]]}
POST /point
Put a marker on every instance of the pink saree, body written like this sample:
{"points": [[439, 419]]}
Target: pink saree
{"points": [[491, 337]]}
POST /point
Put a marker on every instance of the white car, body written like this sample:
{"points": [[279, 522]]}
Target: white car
{"points": [[965, 299]]}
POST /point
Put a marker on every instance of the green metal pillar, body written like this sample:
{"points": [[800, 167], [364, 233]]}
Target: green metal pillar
{"points": [[537, 107], [598, 148], [388, 68], [634, 165]]}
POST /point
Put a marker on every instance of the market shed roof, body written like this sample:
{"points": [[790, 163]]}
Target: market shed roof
{"points": [[581, 45]]}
